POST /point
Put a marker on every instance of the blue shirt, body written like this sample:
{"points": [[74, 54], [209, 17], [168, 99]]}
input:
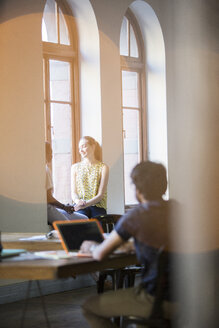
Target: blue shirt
{"points": [[148, 225]]}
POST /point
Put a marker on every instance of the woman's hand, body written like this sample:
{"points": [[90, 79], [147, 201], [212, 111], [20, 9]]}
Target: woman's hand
{"points": [[80, 205], [88, 246]]}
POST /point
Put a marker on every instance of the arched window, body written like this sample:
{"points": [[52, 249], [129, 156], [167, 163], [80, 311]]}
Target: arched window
{"points": [[133, 99], [60, 92]]}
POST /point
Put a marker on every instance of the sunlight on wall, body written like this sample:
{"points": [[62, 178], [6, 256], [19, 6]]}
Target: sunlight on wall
{"points": [[155, 81], [89, 63]]}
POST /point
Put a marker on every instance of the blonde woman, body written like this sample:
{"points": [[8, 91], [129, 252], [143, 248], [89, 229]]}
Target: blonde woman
{"points": [[89, 180]]}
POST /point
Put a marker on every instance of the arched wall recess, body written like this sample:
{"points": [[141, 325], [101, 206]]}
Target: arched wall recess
{"points": [[89, 68], [155, 80]]}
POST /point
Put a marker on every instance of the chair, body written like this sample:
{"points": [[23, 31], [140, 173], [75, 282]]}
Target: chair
{"points": [[120, 277], [156, 318], [108, 221]]}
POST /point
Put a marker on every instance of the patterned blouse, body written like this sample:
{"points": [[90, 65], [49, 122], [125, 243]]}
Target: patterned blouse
{"points": [[88, 181]]}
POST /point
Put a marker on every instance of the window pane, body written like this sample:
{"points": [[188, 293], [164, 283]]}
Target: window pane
{"points": [[131, 150], [133, 44], [124, 38], [49, 23], [61, 136], [44, 77], [60, 80], [64, 36], [46, 123], [44, 31], [130, 89], [131, 131]]}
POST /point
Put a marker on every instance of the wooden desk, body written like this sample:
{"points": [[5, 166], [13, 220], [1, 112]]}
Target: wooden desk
{"points": [[55, 269], [12, 240], [52, 269]]}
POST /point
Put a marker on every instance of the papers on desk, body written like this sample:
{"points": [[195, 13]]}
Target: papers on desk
{"points": [[27, 256], [52, 255], [50, 235], [57, 255], [39, 237]]}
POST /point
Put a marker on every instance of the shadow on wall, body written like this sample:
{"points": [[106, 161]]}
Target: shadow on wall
{"points": [[16, 216], [9, 10]]}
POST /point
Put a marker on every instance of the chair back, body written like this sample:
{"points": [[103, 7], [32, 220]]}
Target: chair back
{"points": [[156, 318], [162, 282], [108, 221]]}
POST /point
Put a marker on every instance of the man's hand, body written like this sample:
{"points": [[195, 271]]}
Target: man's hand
{"points": [[102, 250], [88, 246], [127, 247], [68, 208]]}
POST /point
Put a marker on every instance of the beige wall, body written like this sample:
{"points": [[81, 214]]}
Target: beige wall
{"points": [[22, 168], [192, 98]]}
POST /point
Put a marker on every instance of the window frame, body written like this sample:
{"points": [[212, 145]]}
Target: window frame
{"points": [[67, 53], [136, 64]]}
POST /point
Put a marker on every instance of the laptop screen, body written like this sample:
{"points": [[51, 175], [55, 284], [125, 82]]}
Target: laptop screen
{"points": [[73, 233]]}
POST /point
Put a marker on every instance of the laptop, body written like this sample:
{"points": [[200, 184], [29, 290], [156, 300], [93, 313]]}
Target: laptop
{"points": [[73, 233]]}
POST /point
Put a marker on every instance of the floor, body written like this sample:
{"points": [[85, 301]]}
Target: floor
{"points": [[63, 310]]}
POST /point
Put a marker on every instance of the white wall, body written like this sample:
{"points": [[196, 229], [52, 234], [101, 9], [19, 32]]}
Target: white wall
{"points": [[109, 21], [155, 81], [89, 68]]}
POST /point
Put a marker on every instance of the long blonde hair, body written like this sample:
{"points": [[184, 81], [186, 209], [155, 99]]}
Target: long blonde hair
{"points": [[97, 150]]}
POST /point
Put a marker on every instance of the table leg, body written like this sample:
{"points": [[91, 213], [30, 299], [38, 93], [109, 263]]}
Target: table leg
{"points": [[42, 303], [25, 304]]}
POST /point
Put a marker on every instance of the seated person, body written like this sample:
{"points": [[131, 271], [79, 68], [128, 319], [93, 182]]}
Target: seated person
{"points": [[55, 210], [148, 224], [89, 180]]}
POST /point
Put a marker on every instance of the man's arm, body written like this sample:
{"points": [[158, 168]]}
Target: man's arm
{"points": [[53, 201], [74, 195]]}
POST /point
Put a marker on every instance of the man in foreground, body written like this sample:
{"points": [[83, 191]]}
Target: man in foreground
{"points": [[148, 224]]}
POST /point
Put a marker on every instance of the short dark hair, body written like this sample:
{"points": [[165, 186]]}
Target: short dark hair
{"points": [[150, 179]]}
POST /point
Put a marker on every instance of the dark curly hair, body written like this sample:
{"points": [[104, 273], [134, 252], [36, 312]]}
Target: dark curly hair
{"points": [[150, 179]]}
